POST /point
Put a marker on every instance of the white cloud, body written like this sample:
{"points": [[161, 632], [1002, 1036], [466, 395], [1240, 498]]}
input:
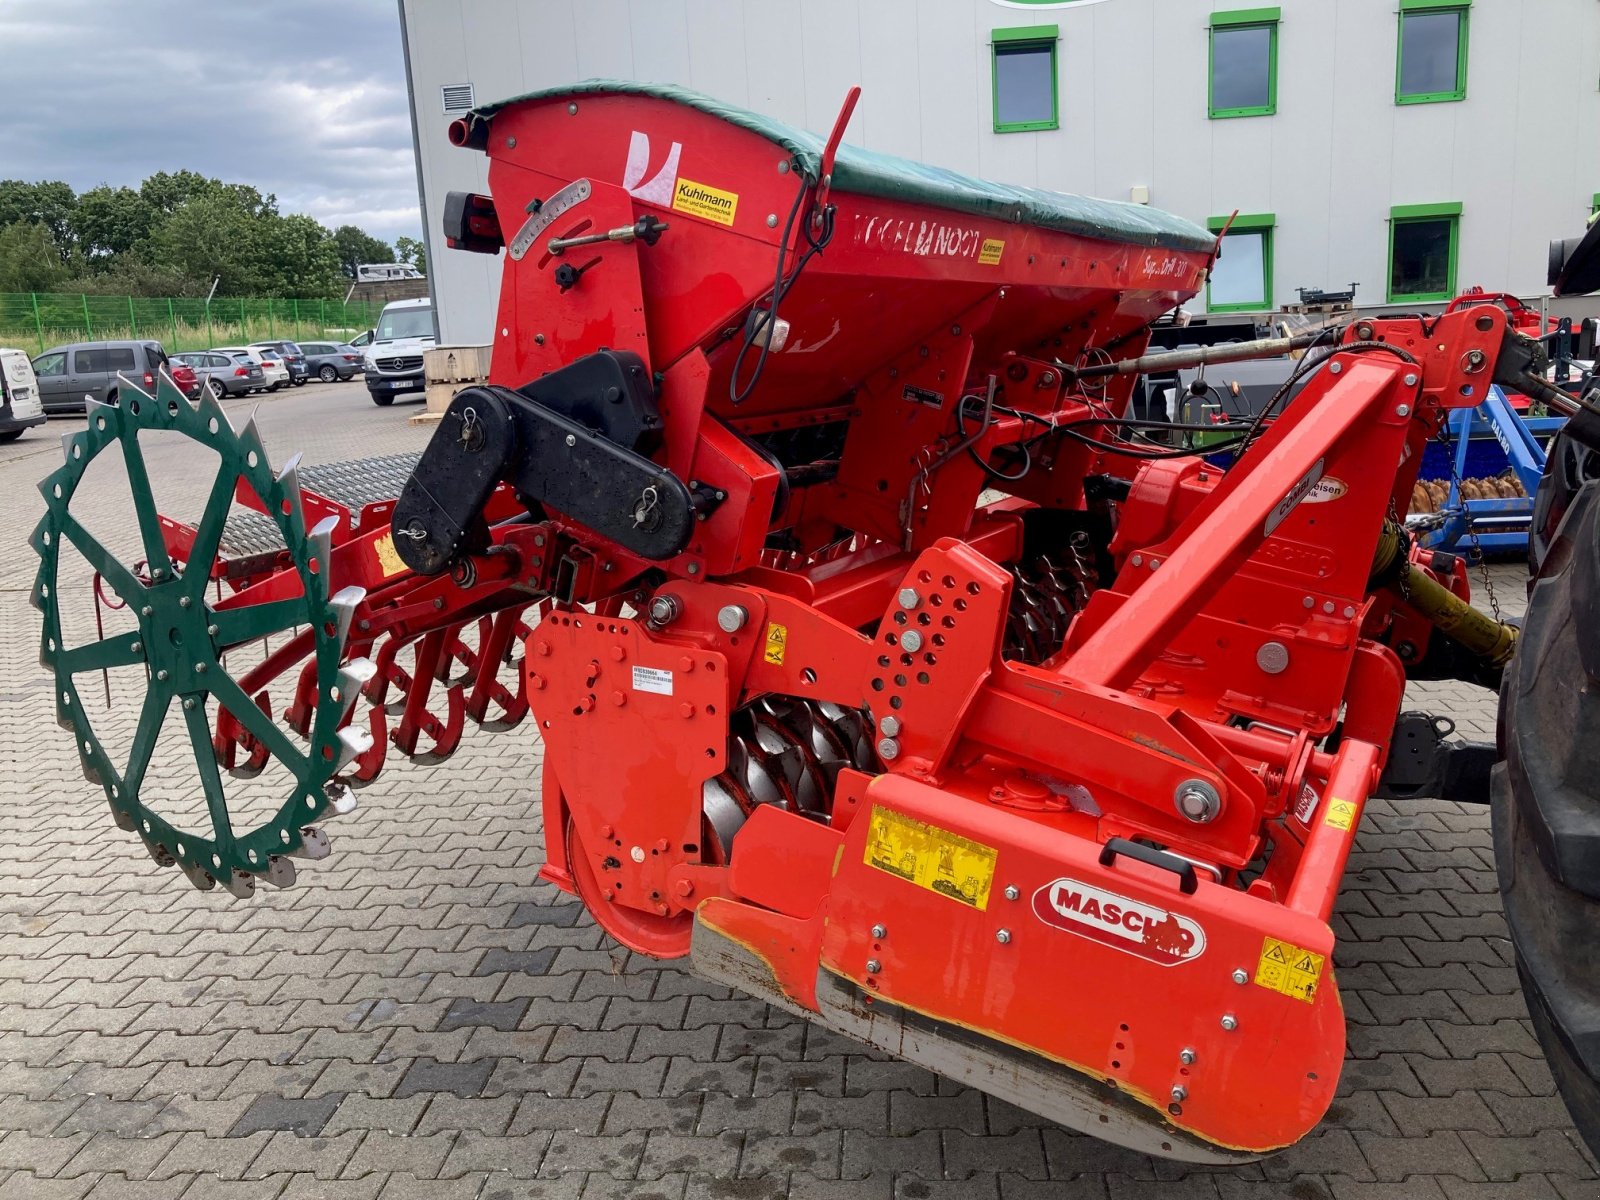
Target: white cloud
{"points": [[299, 98]]}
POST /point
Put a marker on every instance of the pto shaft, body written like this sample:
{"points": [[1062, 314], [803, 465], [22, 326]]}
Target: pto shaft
{"points": [[1492, 641], [1175, 360]]}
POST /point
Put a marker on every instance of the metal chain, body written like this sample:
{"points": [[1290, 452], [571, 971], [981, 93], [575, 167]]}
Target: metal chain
{"points": [[1476, 556]]}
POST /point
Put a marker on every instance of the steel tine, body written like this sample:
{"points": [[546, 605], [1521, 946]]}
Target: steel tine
{"points": [[280, 872], [352, 678], [313, 844], [343, 603], [354, 741]]}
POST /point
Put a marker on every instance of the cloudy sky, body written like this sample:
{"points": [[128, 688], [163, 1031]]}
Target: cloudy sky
{"points": [[303, 98]]}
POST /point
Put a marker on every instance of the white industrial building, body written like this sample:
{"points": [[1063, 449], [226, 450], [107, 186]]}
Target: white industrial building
{"points": [[1413, 147]]}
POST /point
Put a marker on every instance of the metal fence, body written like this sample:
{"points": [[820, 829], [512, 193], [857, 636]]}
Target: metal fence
{"points": [[45, 319]]}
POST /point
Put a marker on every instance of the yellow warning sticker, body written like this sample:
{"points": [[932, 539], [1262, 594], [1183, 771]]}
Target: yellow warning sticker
{"points": [[989, 253], [1285, 967], [777, 643], [1341, 813], [389, 560], [703, 200], [930, 857]]}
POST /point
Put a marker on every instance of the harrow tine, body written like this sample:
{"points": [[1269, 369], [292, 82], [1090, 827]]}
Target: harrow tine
{"points": [[250, 442], [241, 883], [289, 488], [210, 411], [203, 880], [280, 872], [352, 678], [353, 743], [346, 600], [313, 844], [319, 544], [341, 798]]}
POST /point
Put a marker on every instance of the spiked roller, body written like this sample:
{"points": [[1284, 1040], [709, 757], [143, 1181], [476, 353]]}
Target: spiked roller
{"points": [[181, 640]]}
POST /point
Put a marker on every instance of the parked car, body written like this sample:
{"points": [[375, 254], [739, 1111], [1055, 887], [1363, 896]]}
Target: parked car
{"points": [[292, 357], [393, 363], [222, 374], [19, 396], [68, 375], [183, 375], [364, 339], [329, 361], [271, 365]]}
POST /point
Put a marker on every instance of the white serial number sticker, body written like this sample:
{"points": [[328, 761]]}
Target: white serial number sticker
{"points": [[652, 679]]}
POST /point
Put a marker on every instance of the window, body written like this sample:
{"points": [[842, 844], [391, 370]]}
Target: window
{"points": [[1244, 63], [1025, 78], [1422, 251], [1431, 65], [51, 364], [1594, 205], [1241, 278]]}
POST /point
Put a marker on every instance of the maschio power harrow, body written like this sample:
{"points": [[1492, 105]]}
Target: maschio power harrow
{"points": [[885, 669]]}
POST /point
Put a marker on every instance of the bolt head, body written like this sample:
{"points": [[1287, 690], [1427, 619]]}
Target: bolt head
{"points": [[909, 598], [888, 748], [889, 726], [146, 611], [162, 676], [663, 610], [572, 439], [1272, 657], [1334, 368], [683, 889], [184, 602], [911, 641], [732, 617], [213, 630], [1187, 1056], [200, 668], [1180, 1094], [1240, 976], [1229, 1022], [1003, 936], [1011, 891], [1403, 410], [1197, 801], [188, 703], [879, 932], [873, 966], [137, 647]]}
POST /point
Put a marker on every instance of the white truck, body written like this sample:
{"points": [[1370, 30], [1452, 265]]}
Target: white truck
{"points": [[20, 405], [393, 362]]}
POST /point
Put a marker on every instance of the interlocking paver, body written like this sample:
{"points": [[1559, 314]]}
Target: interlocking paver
{"points": [[422, 1018]]}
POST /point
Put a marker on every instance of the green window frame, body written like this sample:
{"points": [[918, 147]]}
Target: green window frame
{"points": [[1420, 214], [1025, 40], [1429, 9], [1594, 205], [1240, 20], [1247, 224]]}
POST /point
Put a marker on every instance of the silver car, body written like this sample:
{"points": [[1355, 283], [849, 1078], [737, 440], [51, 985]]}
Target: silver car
{"points": [[223, 375]]}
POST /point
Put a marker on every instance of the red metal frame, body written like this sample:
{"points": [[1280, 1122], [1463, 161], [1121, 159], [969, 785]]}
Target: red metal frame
{"points": [[1238, 628]]}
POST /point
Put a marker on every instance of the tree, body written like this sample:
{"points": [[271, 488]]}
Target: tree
{"points": [[409, 250], [297, 256], [29, 258], [49, 203], [110, 222], [211, 235], [357, 246]]}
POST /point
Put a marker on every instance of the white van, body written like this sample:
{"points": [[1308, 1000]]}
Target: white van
{"points": [[393, 362], [20, 404]]}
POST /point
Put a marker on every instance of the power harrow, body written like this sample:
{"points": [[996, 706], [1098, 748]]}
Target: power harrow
{"points": [[885, 668]]}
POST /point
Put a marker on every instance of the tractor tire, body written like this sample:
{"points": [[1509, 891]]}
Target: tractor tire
{"points": [[327, 374], [382, 399], [1546, 802]]}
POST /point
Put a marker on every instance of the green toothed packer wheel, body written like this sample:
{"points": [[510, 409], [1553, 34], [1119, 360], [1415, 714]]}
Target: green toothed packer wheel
{"points": [[181, 637]]}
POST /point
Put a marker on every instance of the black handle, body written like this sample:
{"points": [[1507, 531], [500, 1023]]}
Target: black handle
{"points": [[1182, 867]]}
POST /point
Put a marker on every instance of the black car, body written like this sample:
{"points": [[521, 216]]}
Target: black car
{"points": [[293, 357]]}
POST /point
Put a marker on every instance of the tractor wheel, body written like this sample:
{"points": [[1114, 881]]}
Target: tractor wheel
{"points": [[1546, 803], [327, 374]]}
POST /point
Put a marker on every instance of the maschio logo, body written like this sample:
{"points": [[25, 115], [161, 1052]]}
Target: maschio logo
{"points": [[1131, 925]]}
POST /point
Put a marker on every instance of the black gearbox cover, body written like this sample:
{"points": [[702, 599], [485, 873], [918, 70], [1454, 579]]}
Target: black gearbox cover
{"points": [[452, 481], [610, 392]]}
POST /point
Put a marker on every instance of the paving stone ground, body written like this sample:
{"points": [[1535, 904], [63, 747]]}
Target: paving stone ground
{"points": [[419, 1017]]}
